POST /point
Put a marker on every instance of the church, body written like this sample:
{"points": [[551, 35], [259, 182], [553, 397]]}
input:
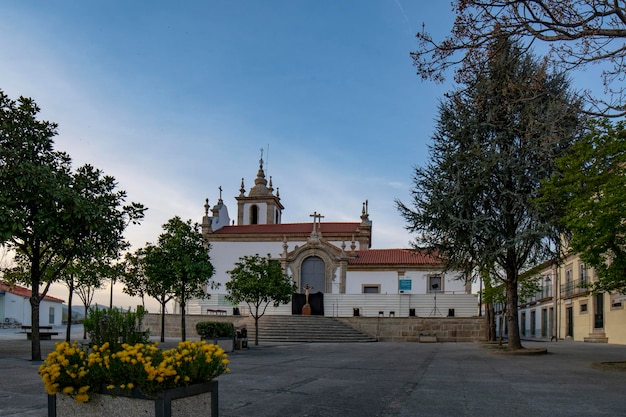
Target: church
{"points": [[335, 260]]}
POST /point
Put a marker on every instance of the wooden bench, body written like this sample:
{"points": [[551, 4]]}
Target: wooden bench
{"points": [[42, 335], [40, 327], [44, 332]]}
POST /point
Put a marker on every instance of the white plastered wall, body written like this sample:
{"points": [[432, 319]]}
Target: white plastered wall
{"points": [[389, 281]]}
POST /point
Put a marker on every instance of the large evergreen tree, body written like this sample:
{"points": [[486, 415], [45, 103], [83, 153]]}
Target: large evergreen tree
{"points": [[496, 139]]}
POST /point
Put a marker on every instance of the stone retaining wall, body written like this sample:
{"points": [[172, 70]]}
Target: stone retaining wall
{"points": [[173, 324], [385, 329], [409, 329]]}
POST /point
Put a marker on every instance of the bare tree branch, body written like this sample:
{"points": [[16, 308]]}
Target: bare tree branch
{"points": [[579, 33]]}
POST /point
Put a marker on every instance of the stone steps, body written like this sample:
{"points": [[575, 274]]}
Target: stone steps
{"points": [[596, 336], [305, 329]]}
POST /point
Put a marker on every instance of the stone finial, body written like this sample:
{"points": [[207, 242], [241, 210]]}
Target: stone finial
{"points": [[365, 212]]}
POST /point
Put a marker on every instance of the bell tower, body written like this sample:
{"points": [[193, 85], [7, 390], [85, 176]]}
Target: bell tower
{"points": [[261, 205]]}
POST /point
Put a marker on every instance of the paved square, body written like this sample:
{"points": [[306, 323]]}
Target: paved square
{"points": [[379, 379]]}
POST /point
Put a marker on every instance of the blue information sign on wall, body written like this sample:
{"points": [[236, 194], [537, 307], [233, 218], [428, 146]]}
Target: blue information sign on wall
{"points": [[405, 284]]}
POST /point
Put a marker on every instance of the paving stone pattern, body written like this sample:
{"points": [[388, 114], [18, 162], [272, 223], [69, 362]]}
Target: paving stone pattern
{"points": [[379, 379]]}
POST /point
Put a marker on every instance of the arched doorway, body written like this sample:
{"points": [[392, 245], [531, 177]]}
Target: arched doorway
{"points": [[314, 274]]}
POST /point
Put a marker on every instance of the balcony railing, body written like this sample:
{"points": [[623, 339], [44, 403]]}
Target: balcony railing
{"points": [[543, 294], [573, 288]]}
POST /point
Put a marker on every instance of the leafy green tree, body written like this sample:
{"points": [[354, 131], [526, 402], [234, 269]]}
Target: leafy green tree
{"points": [[178, 265], [91, 274], [133, 275], [489, 302], [578, 32], [146, 273], [494, 294], [68, 278], [259, 281], [589, 193], [496, 139], [50, 214]]}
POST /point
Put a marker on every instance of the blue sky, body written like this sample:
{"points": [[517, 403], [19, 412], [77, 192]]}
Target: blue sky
{"points": [[175, 99]]}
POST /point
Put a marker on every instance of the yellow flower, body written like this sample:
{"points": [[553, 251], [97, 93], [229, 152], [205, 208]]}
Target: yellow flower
{"points": [[81, 398]]}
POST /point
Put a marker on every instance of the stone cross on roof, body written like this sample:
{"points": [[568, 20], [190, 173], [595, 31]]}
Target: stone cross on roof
{"points": [[316, 219]]}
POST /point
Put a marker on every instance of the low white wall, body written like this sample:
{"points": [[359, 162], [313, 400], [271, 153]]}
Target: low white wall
{"points": [[369, 305]]}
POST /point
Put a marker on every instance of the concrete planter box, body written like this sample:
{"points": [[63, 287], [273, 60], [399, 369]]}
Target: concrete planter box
{"points": [[226, 343], [192, 400]]}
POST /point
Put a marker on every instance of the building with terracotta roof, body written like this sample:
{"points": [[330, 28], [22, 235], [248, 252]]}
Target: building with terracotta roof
{"points": [[334, 258], [15, 306]]}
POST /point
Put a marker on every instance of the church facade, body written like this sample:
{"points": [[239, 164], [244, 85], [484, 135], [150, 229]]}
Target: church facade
{"points": [[334, 259]]}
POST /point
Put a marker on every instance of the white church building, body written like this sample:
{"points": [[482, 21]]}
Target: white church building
{"points": [[348, 277]]}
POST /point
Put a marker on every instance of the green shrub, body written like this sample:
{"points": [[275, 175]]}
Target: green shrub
{"points": [[212, 329], [115, 327]]}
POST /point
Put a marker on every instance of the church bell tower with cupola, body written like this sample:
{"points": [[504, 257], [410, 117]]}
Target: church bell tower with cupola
{"points": [[261, 205]]}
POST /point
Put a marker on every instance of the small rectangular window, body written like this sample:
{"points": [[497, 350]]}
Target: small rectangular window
{"points": [[583, 308], [435, 284], [617, 301], [371, 289], [51, 315]]}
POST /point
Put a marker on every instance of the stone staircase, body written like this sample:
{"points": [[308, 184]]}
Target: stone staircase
{"points": [[304, 329], [597, 336]]}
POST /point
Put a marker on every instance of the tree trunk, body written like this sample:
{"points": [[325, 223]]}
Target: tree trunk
{"points": [[162, 322], [111, 297], [491, 322], [182, 310], [511, 312], [68, 328], [501, 328], [86, 308], [34, 327], [35, 275], [256, 330]]}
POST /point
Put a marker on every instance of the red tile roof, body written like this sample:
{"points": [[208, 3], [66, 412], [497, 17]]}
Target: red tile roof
{"points": [[395, 257], [289, 228], [23, 292]]}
